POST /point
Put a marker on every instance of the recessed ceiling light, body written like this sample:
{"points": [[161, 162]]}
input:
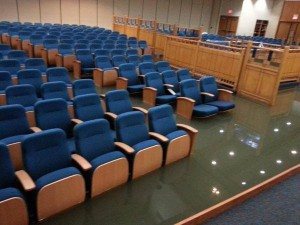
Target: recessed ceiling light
{"points": [[288, 123], [278, 161], [244, 183], [221, 131], [294, 152], [217, 192], [232, 153], [262, 172], [276, 130], [213, 162]]}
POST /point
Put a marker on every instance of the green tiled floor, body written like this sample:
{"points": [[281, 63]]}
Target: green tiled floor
{"points": [[234, 151]]}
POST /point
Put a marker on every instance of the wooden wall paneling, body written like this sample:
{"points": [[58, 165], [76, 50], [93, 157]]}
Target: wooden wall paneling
{"points": [[70, 11], [162, 11], [196, 14], [29, 10], [50, 11], [147, 35], [174, 11], [185, 13], [9, 11], [121, 7], [160, 42], [105, 13], [283, 30], [289, 9], [88, 12], [136, 8]]}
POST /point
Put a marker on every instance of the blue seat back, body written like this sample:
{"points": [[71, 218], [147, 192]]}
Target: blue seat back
{"points": [[65, 49], [102, 52], [128, 71], [81, 46], [37, 63], [84, 86], [45, 152], [161, 119], [190, 89], [7, 175], [103, 62], [95, 46], [18, 55], [143, 44], [146, 67], [58, 74], [134, 59], [86, 58], [10, 65], [116, 52], [13, 121], [162, 66], [5, 80], [183, 74], [23, 94], [153, 80], [93, 139], [169, 77], [118, 102], [57, 89], [50, 44], [32, 77], [131, 128], [88, 107], [36, 39], [132, 52], [208, 84]]}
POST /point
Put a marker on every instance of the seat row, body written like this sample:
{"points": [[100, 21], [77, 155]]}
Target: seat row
{"points": [[102, 161]]}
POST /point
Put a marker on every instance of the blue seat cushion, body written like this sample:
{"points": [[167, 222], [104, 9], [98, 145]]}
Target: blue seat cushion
{"points": [[176, 134], [14, 139], [67, 54], [108, 157], [87, 70], [204, 110], [144, 144], [222, 105], [164, 99], [71, 145], [2, 92], [135, 88], [29, 108], [8, 193], [55, 176]]}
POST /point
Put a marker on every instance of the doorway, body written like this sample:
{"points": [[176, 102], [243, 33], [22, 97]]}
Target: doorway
{"points": [[228, 25], [288, 31]]}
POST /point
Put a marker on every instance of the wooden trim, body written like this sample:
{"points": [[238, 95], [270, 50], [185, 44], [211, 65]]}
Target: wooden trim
{"points": [[239, 198], [13, 211]]}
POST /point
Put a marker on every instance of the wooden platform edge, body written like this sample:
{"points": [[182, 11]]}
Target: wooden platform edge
{"points": [[239, 198]]}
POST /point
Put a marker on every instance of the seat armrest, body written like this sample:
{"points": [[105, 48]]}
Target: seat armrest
{"points": [[186, 99], [82, 162], [125, 148], [150, 88], [207, 94], [225, 90], [117, 68], [35, 129], [185, 107], [169, 85], [99, 69], [187, 128], [77, 61], [145, 111], [192, 132], [158, 137], [76, 121], [143, 76], [102, 96], [111, 115], [25, 180], [122, 78]]}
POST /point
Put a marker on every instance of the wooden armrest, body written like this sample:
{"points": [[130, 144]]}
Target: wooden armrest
{"points": [[82, 162], [111, 115], [150, 88], [159, 137], [102, 96], [117, 68], [35, 129], [169, 85], [143, 76], [58, 54], [77, 121], [187, 127], [186, 99], [225, 90], [145, 111], [126, 148], [207, 94], [77, 61], [122, 78], [25, 180], [98, 69]]}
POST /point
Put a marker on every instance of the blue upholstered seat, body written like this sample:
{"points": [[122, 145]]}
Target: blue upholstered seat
{"points": [[169, 77], [146, 67], [86, 59], [162, 66], [103, 62], [36, 63], [134, 59], [5, 81], [183, 74], [10, 65], [56, 89], [18, 55], [117, 60], [84, 86], [58, 74], [128, 71], [65, 49], [118, 102], [32, 77], [147, 58]]}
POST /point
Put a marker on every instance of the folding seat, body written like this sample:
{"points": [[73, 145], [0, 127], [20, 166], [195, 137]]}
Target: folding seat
{"points": [[54, 113], [135, 59], [118, 60], [23, 40], [145, 152], [102, 52], [170, 80], [50, 51], [219, 98], [13, 210], [32, 77], [67, 41], [83, 41], [177, 139], [115, 52], [114, 33], [112, 38], [39, 64], [58, 74], [13, 33], [128, 78], [96, 41], [18, 55], [50, 37], [55, 33], [118, 102], [162, 66], [145, 48], [95, 46], [109, 167], [107, 32], [84, 63], [108, 47], [65, 56], [5, 81], [24, 95], [4, 49], [104, 74], [190, 104], [35, 46], [155, 93], [147, 58], [91, 37], [146, 67], [132, 52], [133, 44], [80, 46], [55, 183], [183, 74], [132, 39], [121, 42], [122, 47], [121, 36], [82, 87], [12, 66]]}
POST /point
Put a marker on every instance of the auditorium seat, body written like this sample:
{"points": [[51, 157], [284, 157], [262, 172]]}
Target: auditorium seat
{"points": [[133, 44], [32, 77], [60, 74], [144, 152], [12, 66], [95, 46], [50, 51], [129, 79], [177, 139], [118, 60], [65, 56], [25, 95], [104, 74], [80, 46], [13, 209], [56, 183], [5, 81], [219, 98], [19, 55], [183, 74], [190, 103], [170, 80], [134, 59], [23, 41], [102, 52], [146, 67], [147, 58], [4, 49], [130, 52], [35, 46], [155, 92], [54, 113], [39, 64], [108, 166], [84, 86], [118, 52], [144, 46], [162, 66], [84, 63], [121, 47]]}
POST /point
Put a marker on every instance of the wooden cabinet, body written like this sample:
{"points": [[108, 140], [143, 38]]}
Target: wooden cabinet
{"points": [[228, 25], [260, 28]]}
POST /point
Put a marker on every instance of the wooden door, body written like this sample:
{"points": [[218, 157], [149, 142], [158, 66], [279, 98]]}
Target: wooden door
{"points": [[228, 25]]}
